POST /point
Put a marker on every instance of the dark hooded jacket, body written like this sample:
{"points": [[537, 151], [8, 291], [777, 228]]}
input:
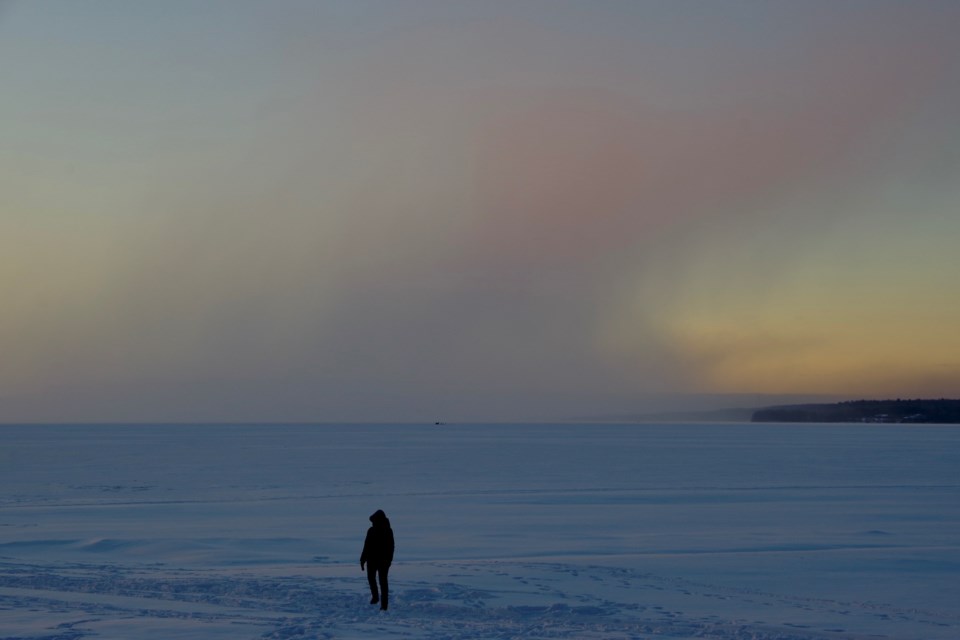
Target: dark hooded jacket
{"points": [[378, 546]]}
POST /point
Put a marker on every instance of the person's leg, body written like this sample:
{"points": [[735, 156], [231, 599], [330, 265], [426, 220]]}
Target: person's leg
{"points": [[384, 589], [372, 579]]}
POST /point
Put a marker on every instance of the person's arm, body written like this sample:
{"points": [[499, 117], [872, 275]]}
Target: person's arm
{"points": [[389, 546], [366, 549]]}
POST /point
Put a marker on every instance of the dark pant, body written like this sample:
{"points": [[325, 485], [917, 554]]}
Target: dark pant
{"points": [[375, 572]]}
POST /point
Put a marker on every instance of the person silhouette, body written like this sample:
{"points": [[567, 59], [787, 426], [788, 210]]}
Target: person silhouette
{"points": [[377, 555]]}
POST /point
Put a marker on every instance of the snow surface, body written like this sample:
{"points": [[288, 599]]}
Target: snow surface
{"points": [[730, 532]]}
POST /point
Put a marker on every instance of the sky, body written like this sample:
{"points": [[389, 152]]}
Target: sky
{"points": [[401, 210]]}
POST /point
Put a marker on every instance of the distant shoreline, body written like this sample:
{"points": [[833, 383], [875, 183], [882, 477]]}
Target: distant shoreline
{"points": [[915, 411]]}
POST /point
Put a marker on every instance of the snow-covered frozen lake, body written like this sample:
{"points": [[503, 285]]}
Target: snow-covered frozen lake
{"points": [[726, 531]]}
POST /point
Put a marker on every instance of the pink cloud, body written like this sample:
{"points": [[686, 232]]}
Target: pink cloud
{"points": [[564, 174]]}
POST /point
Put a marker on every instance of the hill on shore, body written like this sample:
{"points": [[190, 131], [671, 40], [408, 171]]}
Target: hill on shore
{"points": [[940, 411]]}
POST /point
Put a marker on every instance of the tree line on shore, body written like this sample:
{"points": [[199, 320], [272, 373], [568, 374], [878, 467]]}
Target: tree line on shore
{"points": [[938, 411]]}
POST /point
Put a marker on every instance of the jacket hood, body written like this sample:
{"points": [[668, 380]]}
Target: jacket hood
{"points": [[379, 519]]}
